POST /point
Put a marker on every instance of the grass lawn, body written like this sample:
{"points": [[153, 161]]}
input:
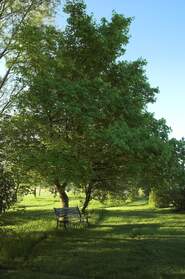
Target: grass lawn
{"points": [[132, 241]]}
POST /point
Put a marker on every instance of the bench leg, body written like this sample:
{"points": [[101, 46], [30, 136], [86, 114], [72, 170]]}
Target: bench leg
{"points": [[65, 225]]}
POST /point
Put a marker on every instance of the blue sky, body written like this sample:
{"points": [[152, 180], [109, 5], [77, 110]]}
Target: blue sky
{"points": [[158, 35]]}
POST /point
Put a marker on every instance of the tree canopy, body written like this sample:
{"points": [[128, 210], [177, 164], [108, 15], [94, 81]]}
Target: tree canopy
{"points": [[82, 116], [15, 14]]}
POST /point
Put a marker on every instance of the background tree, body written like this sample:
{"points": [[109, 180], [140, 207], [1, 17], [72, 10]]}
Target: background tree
{"points": [[7, 190], [143, 160], [173, 191], [14, 14]]}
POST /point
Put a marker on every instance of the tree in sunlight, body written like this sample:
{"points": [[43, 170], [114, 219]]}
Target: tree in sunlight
{"points": [[15, 14], [82, 117]]}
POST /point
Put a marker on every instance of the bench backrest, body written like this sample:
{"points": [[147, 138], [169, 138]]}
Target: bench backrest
{"points": [[68, 211]]}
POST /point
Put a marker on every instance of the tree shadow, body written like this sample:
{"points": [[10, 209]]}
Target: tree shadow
{"points": [[102, 256], [119, 244], [114, 215]]}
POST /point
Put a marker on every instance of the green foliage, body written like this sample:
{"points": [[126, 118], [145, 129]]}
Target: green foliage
{"points": [[171, 191], [82, 115], [159, 198], [14, 15], [8, 191], [171, 196]]}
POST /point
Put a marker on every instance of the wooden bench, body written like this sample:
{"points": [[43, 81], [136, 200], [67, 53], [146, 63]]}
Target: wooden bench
{"points": [[70, 215]]}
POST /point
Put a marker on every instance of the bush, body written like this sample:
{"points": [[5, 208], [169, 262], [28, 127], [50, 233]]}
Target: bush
{"points": [[178, 198], [169, 197], [7, 190], [159, 199]]}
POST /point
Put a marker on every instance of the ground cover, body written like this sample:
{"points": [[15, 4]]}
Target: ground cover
{"points": [[133, 241]]}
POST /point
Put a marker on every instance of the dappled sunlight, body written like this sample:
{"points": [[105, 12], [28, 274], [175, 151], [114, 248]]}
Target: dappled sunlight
{"points": [[128, 237]]}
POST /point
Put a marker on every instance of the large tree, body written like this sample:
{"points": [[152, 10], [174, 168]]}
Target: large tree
{"points": [[82, 116]]}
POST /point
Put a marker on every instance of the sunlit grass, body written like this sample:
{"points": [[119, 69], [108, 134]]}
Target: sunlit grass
{"points": [[131, 241]]}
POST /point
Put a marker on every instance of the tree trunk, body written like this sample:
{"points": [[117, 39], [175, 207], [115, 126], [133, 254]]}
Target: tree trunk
{"points": [[62, 193], [35, 192], [55, 192], [1, 206], [39, 191], [88, 192]]}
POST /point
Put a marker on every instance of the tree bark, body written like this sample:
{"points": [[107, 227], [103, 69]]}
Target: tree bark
{"points": [[35, 192], [1, 206], [62, 193], [39, 191], [88, 192]]}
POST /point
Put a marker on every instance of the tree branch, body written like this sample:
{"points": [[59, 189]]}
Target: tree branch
{"points": [[3, 53], [5, 78], [8, 104]]}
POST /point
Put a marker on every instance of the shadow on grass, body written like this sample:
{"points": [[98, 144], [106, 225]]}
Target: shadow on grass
{"points": [[119, 244], [103, 257], [117, 215]]}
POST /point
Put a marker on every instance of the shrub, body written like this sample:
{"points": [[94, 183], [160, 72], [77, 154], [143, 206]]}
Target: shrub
{"points": [[7, 190], [159, 198], [169, 197]]}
